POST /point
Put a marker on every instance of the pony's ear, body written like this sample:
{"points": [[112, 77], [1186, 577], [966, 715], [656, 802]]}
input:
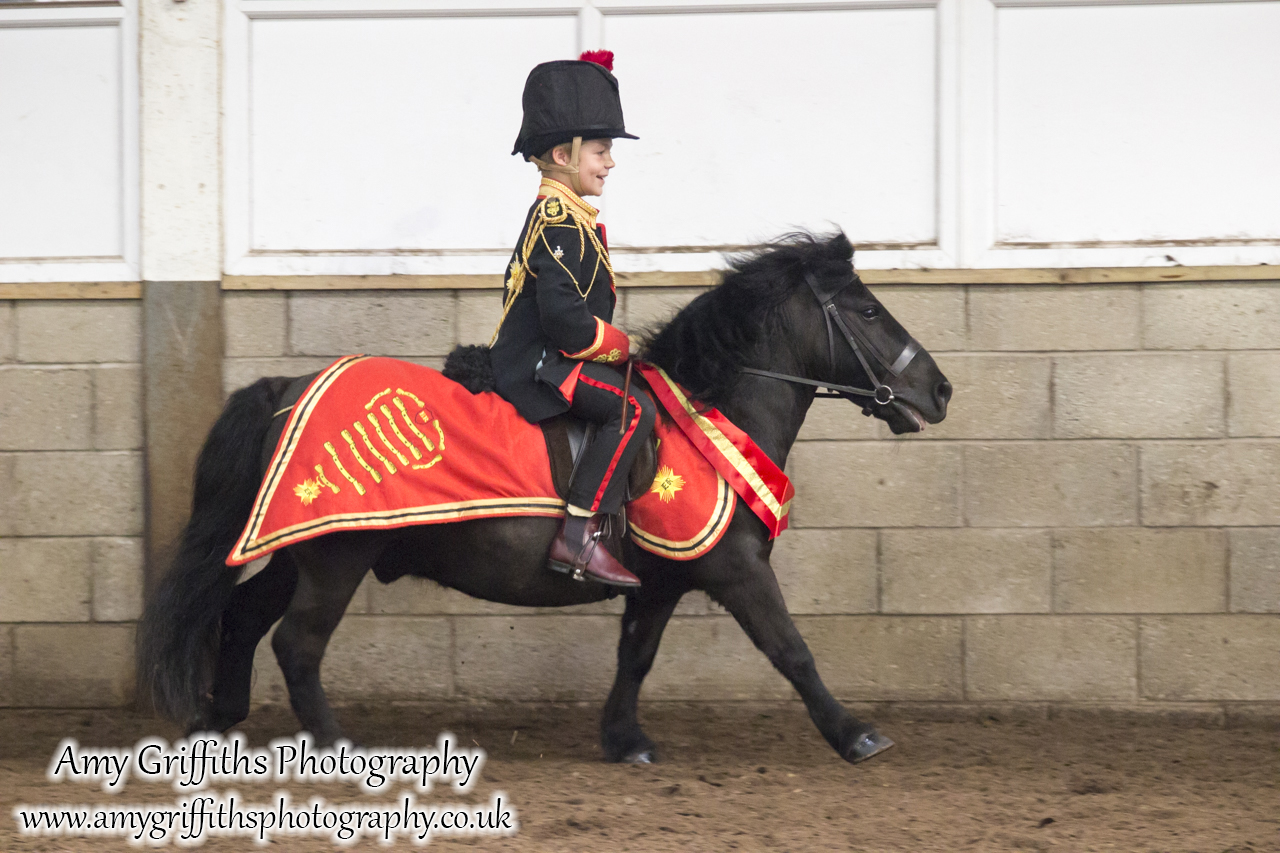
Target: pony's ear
{"points": [[840, 247]]}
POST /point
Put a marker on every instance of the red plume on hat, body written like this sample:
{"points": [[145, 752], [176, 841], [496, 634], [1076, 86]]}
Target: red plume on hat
{"points": [[599, 57]]}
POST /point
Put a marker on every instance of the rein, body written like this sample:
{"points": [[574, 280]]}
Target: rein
{"points": [[882, 394]]}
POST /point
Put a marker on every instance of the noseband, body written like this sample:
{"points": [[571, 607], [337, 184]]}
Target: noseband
{"points": [[858, 341]]}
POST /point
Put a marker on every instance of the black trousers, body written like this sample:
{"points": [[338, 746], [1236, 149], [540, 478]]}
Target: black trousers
{"points": [[601, 480]]}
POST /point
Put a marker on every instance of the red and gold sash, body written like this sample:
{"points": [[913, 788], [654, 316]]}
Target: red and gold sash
{"points": [[752, 474]]}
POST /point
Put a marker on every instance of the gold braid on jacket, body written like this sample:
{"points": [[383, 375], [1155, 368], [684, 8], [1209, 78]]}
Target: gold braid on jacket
{"points": [[520, 268]]}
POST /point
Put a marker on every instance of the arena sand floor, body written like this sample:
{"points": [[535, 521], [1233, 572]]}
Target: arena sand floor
{"points": [[739, 776]]}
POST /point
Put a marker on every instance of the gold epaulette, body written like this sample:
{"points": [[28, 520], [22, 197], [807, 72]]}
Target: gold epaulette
{"points": [[553, 211]]}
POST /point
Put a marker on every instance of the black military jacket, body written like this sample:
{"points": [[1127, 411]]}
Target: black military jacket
{"points": [[558, 302]]}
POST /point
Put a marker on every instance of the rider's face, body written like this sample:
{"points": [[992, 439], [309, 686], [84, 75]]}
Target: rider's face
{"points": [[595, 159]]}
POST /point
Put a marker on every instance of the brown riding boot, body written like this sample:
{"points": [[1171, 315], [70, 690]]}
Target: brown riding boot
{"points": [[579, 550]]}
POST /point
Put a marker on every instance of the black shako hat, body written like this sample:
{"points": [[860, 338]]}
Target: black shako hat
{"points": [[568, 98]]}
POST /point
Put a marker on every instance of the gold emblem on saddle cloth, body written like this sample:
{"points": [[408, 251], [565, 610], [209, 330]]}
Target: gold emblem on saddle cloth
{"points": [[666, 484], [307, 491], [385, 436]]}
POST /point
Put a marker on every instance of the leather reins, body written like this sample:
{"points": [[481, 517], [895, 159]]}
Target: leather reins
{"points": [[882, 394]]}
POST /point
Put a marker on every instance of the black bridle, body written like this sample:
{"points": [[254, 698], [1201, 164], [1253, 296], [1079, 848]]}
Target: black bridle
{"points": [[858, 341]]}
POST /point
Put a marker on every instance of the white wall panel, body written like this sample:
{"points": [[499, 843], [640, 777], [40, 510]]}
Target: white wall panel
{"points": [[61, 143], [754, 123], [1138, 124], [391, 135], [373, 136]]}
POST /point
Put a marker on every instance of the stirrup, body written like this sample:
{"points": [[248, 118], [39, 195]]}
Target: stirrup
{"points": [[577, 570], [589, 548]]}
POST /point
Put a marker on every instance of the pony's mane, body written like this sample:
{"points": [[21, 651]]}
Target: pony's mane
{"points": [[706, 343]]}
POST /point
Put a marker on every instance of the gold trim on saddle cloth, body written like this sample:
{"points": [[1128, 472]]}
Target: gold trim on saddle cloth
{"points": [[461, 511], [701, 542]]}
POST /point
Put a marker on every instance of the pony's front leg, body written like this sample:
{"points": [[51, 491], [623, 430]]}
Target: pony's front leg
{"points": [[643, 621], [756, 602], [329, 571]]}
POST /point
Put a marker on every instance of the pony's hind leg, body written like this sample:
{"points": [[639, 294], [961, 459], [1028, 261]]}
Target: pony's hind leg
{"points": [[255, 606], [648, 610], [329, 571]]}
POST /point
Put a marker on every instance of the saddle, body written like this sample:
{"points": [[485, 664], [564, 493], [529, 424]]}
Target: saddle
{"points": [[567, 437]]}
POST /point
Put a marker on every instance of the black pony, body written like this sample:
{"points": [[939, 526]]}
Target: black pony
{"points": [[197, 638]]}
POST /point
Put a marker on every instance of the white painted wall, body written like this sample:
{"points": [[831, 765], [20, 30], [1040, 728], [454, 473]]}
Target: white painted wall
{"points": [[755, 123], [1138, 123], [373, 136], [64, 152], [181, 146], [68, 143], [955, 133], [384, 134]]}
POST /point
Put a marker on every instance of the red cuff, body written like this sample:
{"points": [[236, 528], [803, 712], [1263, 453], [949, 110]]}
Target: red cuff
{"points": [[609, 347]]}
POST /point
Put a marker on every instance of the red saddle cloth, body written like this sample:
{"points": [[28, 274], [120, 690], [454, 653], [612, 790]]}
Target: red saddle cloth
{"points": [[688, 507], [376, 443]]}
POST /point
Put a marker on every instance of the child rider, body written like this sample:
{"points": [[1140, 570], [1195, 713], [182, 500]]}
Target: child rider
{"points": [[555, 350]]}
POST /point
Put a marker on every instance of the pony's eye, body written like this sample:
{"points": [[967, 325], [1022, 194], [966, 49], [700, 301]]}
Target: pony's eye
{"points": [[871, 312]]}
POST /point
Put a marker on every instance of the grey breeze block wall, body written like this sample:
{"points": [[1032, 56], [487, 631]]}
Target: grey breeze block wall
{"points": [[1097, 521], [71, 508]]}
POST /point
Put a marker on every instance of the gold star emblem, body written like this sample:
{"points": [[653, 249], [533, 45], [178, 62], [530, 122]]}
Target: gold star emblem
{"points": [[667, 483], [307, 490]]}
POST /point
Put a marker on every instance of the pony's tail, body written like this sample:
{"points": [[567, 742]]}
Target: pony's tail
{"points": [[180, 630]]}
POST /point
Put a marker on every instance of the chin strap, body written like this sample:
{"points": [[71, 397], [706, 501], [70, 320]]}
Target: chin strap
{"points": [[571, 170]]}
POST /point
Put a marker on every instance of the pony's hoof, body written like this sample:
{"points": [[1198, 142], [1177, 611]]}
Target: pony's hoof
{"points": [[628, 747], [870, 744], [204, 723]]}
